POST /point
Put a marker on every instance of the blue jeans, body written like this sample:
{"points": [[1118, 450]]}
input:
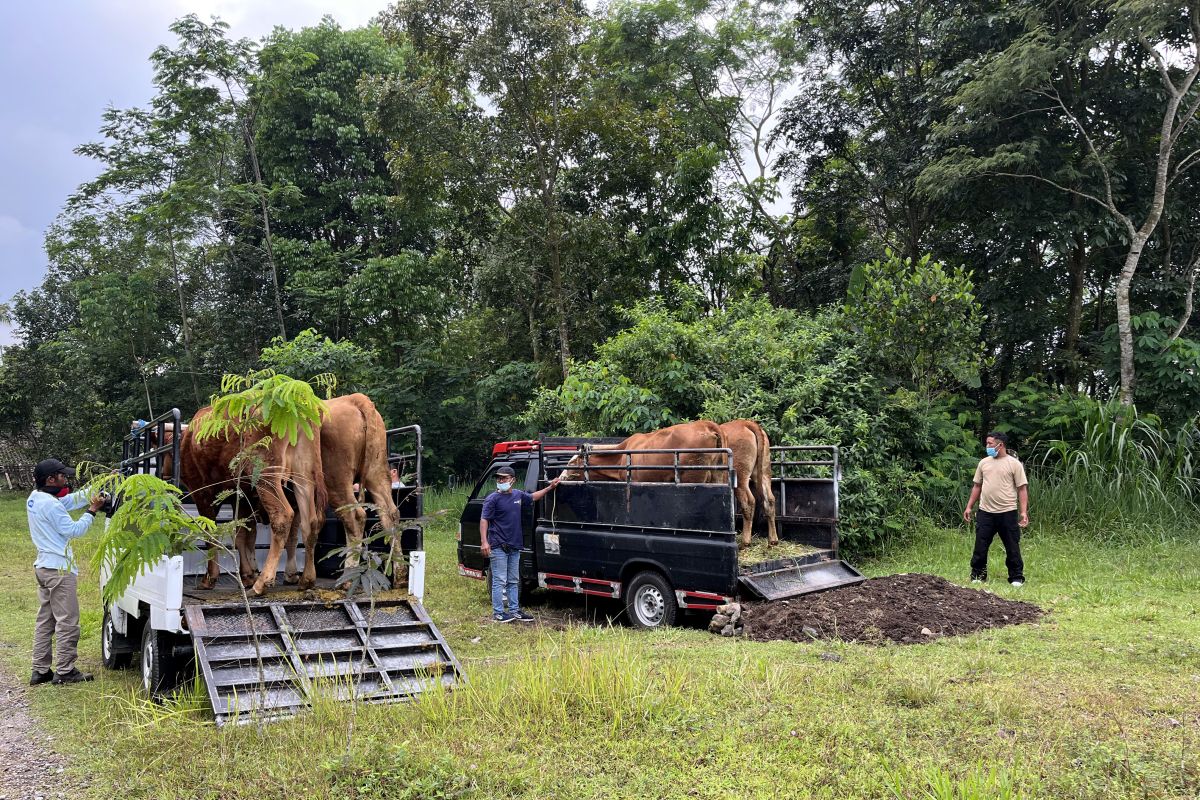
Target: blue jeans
{"points": [[506, 580]]}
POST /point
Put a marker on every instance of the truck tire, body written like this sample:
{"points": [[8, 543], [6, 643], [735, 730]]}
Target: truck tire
{"points": [[650, 601], [116, 649], [160, 674]]}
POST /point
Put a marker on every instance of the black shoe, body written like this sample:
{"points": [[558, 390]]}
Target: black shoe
{"points": [[36, 677], [74, 676], [521, 616]]}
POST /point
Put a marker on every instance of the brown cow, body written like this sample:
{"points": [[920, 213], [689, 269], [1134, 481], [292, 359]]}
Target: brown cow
{"points": [[354, 450], [207, 469], [752, 463], [688, 435]]}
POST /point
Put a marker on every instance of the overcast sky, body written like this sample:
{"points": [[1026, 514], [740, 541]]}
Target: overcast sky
{"points": [[62, 63]]}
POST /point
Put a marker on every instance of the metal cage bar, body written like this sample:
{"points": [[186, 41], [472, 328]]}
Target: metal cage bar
{"points": [[418, 456], [142, 450], [561, 460]]}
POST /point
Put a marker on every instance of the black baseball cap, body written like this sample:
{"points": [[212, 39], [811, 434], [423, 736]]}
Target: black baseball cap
{"points": [[506, 471], [48, 467]]}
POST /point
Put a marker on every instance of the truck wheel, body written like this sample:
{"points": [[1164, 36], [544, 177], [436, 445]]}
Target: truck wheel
{"points": [[159, 673], [649, 601], [116, 649]]}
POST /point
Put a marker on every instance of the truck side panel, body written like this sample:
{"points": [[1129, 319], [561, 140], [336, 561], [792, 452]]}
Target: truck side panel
{"points": [[606, 531]]}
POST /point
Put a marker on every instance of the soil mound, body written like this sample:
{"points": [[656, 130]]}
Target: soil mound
{"points": [[908, 609]]}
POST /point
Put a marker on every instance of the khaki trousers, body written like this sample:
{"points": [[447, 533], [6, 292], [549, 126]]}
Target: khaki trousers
{"points": [[58, 618]]}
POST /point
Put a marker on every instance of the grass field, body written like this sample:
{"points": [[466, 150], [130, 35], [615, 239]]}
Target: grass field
{"points": [[1100, 700]]}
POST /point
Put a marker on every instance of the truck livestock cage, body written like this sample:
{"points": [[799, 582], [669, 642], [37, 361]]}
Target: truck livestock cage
{"points": [[267, 657], [666, 545]]}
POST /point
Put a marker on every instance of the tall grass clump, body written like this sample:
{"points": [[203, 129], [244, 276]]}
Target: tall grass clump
{"points": [[1124, 474], [564, 681]]}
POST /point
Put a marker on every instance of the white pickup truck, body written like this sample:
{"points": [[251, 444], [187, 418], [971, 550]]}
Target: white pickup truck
{"points": [[265, 656]]}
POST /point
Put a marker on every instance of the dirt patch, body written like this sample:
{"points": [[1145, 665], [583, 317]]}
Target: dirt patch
{"points": [[29, 767], [908, 609]]}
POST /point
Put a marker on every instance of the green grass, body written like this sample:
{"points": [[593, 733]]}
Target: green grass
{"points": [[1082, 705]]}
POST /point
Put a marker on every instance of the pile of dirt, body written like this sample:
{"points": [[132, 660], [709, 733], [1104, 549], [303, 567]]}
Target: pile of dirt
{"points": [[908, 609]]}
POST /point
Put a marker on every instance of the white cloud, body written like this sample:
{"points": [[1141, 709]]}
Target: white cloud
{"points": [[12, 231], [255, 19]]}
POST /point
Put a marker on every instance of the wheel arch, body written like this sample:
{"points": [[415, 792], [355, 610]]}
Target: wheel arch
{"points": [[642, 564]]}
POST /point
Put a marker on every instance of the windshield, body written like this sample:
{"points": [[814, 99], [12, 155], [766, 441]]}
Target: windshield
{"points": [[488, 484]]}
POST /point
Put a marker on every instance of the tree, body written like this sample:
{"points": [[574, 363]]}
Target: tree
{"points": [[325, 169], [1148, 52], [206, 68], [522, 61], [919, 321]]}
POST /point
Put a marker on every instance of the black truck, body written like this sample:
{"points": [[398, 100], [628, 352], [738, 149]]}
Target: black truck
{"points": [[664, 546]]}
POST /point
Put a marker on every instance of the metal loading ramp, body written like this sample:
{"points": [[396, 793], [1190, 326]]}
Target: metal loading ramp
{"points": [[272, 661], [790, 577]]}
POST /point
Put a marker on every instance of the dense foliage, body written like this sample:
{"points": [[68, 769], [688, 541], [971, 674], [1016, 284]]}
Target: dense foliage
{"points": [[889, 227]]}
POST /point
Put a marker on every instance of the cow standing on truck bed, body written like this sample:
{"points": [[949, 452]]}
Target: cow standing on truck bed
{"points": [[354, 450], [702, 434], [752, 463], [208, 468]]}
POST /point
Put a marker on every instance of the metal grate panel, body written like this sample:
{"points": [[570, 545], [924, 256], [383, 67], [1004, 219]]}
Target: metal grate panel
{"points": [[273, 662], [789, 580]]}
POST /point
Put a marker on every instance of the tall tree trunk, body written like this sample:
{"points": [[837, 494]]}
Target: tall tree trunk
{"points": [[183, 317], [1070, 347], [560, 307], [266, 217], [1124, 318]]}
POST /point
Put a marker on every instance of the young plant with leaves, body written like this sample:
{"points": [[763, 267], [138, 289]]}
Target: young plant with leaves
{"points": [[149, 524], [281, 404]]}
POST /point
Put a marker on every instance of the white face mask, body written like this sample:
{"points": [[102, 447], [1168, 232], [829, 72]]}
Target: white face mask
{"points": [[503, 487]]}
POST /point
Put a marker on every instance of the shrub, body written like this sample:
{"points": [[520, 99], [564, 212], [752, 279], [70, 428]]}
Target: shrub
{"points": [[379, 770], [919, 321], [806, 378]]}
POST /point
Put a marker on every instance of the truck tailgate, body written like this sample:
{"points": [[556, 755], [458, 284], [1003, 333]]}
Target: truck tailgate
{"points": [[789, 577]]}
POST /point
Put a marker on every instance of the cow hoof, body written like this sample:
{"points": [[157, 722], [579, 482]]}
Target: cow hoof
{"points": [[259, 591], [293, 578], [205, 583], [306, 583], [248, 581]]}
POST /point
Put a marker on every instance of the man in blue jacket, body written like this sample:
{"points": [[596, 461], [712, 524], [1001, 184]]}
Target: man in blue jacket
{"points": [[501, 539], [52, 530]]}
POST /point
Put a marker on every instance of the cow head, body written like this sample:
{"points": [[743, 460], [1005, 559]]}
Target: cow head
{"points": [[574, 468], [575, 471]]}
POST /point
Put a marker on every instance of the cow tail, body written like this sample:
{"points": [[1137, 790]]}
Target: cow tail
{"points": [[761, 484], [717, 476]]}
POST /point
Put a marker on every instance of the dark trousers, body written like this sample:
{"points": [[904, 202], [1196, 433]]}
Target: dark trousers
{"points": [[987, 525]]}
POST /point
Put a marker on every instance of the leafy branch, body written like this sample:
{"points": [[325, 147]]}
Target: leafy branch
{"points": [[149, 523], [283, 404]]}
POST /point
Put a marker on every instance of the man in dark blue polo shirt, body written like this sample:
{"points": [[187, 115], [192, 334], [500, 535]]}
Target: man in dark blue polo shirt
{"points": [[501, 539]]}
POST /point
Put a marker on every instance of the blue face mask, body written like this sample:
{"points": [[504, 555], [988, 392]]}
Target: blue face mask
{"points": [[991, 451], [503, 487]]}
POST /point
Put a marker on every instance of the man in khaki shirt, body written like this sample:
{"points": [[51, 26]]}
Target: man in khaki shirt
{"points": [[1001, 488]]}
